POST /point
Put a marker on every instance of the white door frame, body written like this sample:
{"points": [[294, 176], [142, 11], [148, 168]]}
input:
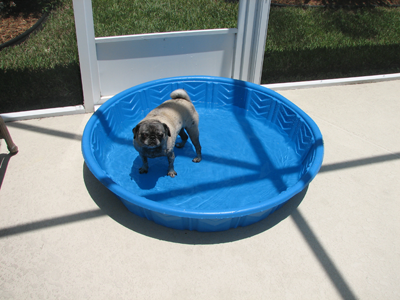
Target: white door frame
{"points": [[111, 64]]}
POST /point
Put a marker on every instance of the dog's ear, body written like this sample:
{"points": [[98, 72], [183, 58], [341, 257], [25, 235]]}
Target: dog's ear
{"points": [[166, 128], [135, 130]]}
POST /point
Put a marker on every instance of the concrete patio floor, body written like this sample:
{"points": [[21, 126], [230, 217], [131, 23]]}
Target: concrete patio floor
{"points": [[65, 236]]}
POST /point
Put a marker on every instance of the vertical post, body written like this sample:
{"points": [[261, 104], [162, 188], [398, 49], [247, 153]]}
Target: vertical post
{"points": [[237, 62], [247, 51], [260, 34], [87, 53], [250, 41]]}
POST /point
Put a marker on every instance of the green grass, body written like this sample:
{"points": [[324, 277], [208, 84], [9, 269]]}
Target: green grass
{"points": [[134, 17], [308, 44], [43, 71], [302, 44]]}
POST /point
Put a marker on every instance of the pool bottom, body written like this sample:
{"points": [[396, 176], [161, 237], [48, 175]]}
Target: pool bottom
{"points": [[246, 161]]}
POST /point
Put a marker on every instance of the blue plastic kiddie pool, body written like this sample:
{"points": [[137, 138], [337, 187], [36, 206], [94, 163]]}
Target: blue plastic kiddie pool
{"points": [[259, 150]]}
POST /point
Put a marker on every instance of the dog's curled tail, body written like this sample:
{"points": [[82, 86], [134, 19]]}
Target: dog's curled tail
{"points": [[180, 94]]}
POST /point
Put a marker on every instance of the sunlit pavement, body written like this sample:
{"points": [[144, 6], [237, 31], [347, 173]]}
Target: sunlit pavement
{"points": [[65, 236]]}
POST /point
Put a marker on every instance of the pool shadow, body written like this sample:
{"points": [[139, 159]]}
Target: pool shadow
{"points": [[158, 167], [114, 208]]}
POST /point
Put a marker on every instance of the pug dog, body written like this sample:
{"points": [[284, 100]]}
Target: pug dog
{"points": [[156, 134]]}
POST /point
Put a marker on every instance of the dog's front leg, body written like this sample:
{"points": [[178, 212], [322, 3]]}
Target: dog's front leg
{"points": [[145, 166], [171, 159]]}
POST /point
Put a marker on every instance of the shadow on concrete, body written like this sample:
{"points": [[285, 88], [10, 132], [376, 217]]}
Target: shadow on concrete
{"points": [[44, 130], [322, 256], [4, 160], [113, 207], [51, 222], [360, 162], [110, 205]]}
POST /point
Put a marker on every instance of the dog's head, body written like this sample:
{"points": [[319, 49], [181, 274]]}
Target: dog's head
{"points": [[151, 133]]}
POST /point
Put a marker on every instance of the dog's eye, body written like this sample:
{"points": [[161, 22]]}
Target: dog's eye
{"points": [[144, 135], [160, 136]]}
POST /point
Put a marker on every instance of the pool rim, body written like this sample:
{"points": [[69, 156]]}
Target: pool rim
{"points": [[125, 195]]}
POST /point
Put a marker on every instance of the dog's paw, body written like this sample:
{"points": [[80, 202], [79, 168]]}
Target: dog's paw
{"points": [[172, 173], [196, 159], [143, 170]]}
